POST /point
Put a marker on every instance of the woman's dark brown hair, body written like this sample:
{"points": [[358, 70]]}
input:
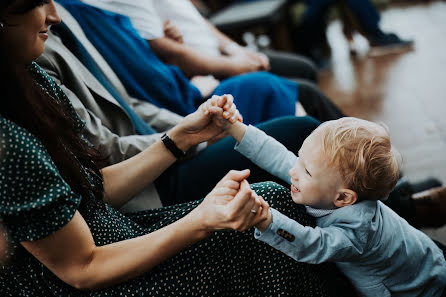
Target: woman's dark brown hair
{"points": [[24, 102]]}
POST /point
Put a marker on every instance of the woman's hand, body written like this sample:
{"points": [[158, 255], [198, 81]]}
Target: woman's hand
{"points": [[231, 205], [199, 126]]}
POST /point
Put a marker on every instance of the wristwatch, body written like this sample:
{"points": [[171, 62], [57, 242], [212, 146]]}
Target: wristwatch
{"points": [[172, 147]]}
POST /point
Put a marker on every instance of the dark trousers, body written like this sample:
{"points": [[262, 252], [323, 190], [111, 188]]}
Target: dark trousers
{"points": [[316, 103], [193, 179], [364, 11], [292, 66], [309, 36]]}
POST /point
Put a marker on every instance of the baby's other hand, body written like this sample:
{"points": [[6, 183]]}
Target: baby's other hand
{"points": [[265, 214]]}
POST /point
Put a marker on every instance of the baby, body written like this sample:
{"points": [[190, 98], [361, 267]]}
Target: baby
{"points": [[345, 167]]}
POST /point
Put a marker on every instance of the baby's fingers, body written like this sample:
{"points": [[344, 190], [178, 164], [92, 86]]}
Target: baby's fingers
{"points": [[229, 102]]}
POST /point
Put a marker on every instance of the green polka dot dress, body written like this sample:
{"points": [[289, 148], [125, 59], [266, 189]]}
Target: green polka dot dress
{"points": [[35, 202]]}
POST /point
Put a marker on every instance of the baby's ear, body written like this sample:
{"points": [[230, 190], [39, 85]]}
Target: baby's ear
{"points": [[345, 197]]}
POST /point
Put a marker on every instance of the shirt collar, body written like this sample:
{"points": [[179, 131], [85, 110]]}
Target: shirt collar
{"points": [[317, 212]]}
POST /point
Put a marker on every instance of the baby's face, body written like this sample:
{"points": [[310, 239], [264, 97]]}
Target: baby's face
{"points": [[313, 183]]}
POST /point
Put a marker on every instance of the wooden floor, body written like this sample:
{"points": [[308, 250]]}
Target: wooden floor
{"points": [[406, 91]]}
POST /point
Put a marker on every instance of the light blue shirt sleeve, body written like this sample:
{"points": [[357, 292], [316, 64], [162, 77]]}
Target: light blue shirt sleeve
{"points": [[267, 153], [313, 244]]}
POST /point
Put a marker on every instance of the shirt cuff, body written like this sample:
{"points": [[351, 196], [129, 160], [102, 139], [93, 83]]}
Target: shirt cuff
{"points": [[249, 144], [270, 236]]}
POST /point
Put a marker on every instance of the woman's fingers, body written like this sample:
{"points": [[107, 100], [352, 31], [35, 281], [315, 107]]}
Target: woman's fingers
{"points": [[225, 191], [235, 175]]}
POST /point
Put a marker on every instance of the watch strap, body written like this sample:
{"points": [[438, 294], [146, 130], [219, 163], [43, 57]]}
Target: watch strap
{"points": [[172, 147]]}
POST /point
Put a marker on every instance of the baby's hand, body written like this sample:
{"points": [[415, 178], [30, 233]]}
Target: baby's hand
{"points": [[223, 110], [266, 215]]}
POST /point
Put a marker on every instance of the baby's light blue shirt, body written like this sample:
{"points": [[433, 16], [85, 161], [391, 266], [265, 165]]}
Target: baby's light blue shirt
{"points": [[377, 250]]}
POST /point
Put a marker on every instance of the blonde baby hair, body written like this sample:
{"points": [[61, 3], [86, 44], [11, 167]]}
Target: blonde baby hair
{"points": [[362, 152]]}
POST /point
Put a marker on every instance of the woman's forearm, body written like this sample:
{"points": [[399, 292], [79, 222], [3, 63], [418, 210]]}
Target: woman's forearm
{"points": [[126, 179], [118, 262]]}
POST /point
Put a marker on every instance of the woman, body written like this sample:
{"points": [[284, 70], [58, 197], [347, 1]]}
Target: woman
{"points": [[67, 241]]}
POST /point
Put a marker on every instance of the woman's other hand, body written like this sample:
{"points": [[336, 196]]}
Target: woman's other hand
{"points": [[227, 207], [199, 126]]}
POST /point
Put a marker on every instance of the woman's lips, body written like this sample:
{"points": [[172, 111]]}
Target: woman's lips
{"points": [[294, 189], [44, 35]]}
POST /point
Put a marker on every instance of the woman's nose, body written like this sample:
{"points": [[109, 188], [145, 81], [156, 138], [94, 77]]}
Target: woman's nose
{"points": [[53, 17]]}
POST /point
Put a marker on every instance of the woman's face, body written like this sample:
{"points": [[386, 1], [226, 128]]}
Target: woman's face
{"points": [[25, 29]]}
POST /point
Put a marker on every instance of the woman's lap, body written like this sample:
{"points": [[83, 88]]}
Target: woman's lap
{"points": [[230, 263]]}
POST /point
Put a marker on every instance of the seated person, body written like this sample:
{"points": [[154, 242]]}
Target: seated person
{"points": [[179, 35], [345, 167], [147, 78]]}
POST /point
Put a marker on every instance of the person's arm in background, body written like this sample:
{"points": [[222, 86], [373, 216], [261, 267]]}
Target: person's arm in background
{"points": [[230, 48], [193, 63]]}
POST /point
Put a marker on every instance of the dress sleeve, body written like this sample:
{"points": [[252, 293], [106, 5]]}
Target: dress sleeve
{"points": [[34, 199]]}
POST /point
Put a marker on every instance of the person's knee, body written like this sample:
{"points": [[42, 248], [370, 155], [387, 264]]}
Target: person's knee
{"points": [[264, 83], [308, 89]]}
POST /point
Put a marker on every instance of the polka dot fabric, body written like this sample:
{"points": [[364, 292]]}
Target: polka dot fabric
{"points": [[35, 202]]}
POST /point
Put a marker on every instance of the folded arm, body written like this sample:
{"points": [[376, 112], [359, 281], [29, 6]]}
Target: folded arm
{"points": [[193, 63]]}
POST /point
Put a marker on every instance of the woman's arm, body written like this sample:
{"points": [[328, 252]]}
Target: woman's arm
{"points": [[71, 254], [128, 178]]}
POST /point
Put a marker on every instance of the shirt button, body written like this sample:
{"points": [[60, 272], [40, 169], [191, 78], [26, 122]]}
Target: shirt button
{"points": [[286, 235]]}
